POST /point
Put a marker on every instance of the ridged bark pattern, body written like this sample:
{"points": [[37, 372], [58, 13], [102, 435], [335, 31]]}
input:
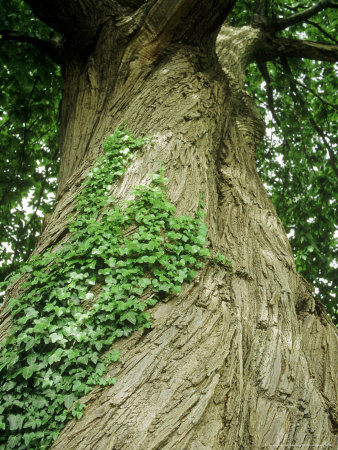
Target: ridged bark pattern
{"points": [[241, 360]]}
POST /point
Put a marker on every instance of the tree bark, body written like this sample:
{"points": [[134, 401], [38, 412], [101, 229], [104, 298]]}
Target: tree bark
{"points": [[238, 360]]}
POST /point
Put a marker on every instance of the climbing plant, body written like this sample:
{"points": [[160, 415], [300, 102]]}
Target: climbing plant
{"points": [[80, 297]]}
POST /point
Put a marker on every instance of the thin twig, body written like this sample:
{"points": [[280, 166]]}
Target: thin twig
{"points": [[299, 17], [321, 133], [316, 95], [321, 29]]}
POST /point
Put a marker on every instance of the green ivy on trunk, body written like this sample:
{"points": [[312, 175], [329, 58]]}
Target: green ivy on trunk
{"points": [[61, 342]]}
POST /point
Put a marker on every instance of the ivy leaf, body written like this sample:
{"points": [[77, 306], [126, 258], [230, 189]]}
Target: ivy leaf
{"points": [[28, 371], [68, 400], [130, 317], [15, 422], [28, 437], [176, 289], [55, 337], [98, 345], [78, 386], [9, 385], [31, 343], [31, 359], [56, 356], [113, 356]]}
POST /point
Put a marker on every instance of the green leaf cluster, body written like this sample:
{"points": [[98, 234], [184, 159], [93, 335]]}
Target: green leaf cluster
{"points": [[30, 91], [222, 261], [297, 159], [296, 166], [79, 298]]}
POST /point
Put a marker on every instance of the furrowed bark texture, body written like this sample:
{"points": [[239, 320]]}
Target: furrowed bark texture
{"points": [[241, 360]]}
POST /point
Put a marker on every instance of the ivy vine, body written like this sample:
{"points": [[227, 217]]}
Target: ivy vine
{"points": [[79, 298]]}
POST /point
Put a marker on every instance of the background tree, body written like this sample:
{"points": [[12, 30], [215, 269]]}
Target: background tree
{"points": [[232, 350]]}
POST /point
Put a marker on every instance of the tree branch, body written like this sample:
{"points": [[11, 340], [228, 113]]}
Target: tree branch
{"points": [[270, 99], [327, 145], [52, 49], [259, 16], [60, 15], [77, 20], [281, 24], [321, 29], [265, 73], [185, 19], [314, 93], [273, 48], [315, 25], [296, 94]]}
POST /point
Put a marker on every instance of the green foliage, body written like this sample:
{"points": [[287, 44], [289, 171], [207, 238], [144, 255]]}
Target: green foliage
{"points": [[296, 159], [297, 168], [30, 88], [80, 297], [222, 261], [295, 165]]}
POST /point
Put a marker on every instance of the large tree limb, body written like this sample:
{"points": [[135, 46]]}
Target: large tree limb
{"points": [[186, 20], [285, 22], [167, 22], [53, 49], [78, 20], [273, 48]]}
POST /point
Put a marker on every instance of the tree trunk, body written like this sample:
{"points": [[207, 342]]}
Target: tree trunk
{"points": [[238, 360]]}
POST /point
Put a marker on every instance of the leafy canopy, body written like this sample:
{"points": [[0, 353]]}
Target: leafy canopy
{"points": [[30, 90], [296, 160]]}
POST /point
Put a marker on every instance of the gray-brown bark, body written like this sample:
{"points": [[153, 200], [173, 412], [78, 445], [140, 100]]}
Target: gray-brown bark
{"points": [[238, 360], [296, 48]]}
